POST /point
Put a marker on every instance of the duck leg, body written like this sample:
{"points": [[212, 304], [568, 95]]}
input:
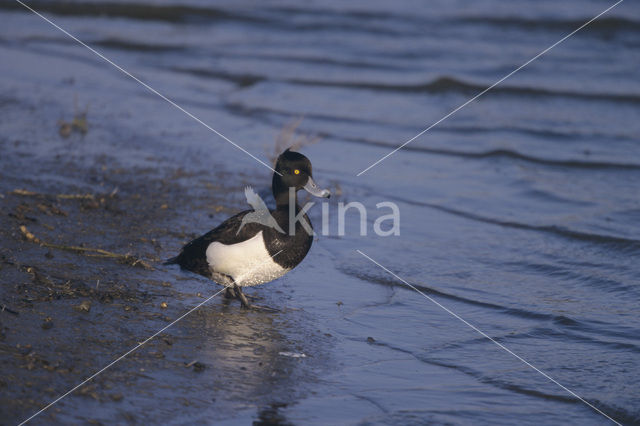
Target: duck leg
{"points": [[229, 293], [243, 299]]}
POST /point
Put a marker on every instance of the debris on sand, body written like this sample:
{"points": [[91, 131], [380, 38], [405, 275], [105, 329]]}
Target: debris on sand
{"points": [[27, 193], [79, 122], [20, 191], [90, 391], [64, 128], [292, 354], [87, 251], [47, 323], [84, 306], [197, 366], [5, 308], [116, 397]]}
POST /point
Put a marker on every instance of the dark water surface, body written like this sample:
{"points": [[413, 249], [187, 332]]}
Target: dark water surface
{"points": [[520, 213]]}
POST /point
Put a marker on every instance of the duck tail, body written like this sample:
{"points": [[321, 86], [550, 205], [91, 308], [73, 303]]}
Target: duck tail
{"points": [[172, 261]]}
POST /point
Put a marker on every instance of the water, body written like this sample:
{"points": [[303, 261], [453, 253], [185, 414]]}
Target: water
{"points": [[520, 213]]}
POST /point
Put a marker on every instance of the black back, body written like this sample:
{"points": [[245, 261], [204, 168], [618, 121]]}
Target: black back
{"points": [[292, 248]]}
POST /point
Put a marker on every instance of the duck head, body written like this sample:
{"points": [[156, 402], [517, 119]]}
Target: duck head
{"points": [[294, 172]]}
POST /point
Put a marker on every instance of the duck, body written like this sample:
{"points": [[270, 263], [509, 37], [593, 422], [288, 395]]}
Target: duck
{"points": [[249, 249]]}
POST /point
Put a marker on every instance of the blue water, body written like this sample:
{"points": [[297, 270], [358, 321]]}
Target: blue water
{"points": [[520, 213]]}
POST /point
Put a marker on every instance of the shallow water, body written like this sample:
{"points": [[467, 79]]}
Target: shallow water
{"points": [[520, 213]]}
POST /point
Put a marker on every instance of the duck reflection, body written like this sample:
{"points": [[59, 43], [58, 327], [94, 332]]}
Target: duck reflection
{"points": [[271, 416], [243, 349]]}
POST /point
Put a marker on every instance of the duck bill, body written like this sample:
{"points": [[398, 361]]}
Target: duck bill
{"points": [[314, 189]]}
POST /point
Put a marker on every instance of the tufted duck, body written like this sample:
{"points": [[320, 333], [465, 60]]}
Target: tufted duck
{"points": [[242, 252]]}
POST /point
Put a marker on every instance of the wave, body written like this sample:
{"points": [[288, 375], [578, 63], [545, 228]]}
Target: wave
{"points": [[245, 80], [317, 60], [176, 12], [448, 84], [121, 44], [573, 134], [256, 112], [242, 80], [111, 43], [571, 328], [504, 153], [141, 11], [194, 14], [479, 376], [629, 245], [603, 24], [262, 112], [430, 357], [518, 312], [443, 85], [572, 274], [620, 414], [623, 415]]}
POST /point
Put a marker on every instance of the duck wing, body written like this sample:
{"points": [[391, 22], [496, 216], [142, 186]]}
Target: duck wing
{"points": [[193, 256]]}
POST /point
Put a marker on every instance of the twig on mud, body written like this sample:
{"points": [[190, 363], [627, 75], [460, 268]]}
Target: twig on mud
{"points": [[87, 251], [4, 308], [79, 122], [75, 196], [27, 193]]}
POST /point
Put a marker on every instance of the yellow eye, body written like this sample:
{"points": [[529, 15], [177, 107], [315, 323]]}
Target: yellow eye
{"points": [[296, 171]]}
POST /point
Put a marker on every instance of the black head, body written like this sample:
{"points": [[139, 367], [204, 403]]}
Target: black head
{"points": [[295, 172]]}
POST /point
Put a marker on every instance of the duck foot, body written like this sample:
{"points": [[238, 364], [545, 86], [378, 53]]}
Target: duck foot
{"points": [[264, 308], [246, 304]]}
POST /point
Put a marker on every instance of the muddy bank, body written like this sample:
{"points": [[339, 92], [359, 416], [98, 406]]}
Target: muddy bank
{"points": [[82, 283]]}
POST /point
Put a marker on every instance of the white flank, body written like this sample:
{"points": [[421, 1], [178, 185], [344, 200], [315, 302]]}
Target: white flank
{"points": [[248, 263]]}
